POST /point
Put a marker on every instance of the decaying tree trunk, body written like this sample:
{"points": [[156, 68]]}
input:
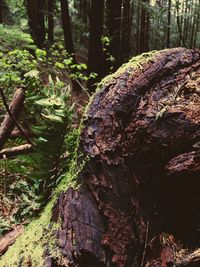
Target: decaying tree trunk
{"points": [[137, 203]]}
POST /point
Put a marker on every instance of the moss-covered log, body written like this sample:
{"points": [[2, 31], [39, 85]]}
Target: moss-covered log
{"points": [[132, 196]]}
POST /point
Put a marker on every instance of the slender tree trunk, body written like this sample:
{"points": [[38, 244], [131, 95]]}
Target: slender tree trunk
{"points": [[1, 11], [144, 26], [95, 54], [51, 21], [114, 16], [197, 25], [168, 23], [138, 21], [179, 24], [126, 31], [69, 45], [84, 10], [66, 23], [35, 11], [41, 22]]}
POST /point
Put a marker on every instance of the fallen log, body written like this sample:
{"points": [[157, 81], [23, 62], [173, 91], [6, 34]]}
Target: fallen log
{"points": [[8, 123], [10, 238], [135, 202], [17, 150]]}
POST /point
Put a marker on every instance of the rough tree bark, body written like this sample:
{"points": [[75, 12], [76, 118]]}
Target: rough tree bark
{"points": [[139, 188]]}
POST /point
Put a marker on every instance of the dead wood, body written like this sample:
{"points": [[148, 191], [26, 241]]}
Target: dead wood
{"points": [[17, 150], [140, 133], [10, 238], [8, 123], [16, 133]]}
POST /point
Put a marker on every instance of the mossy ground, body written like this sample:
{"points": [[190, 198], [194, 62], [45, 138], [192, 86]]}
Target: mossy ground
{"points": [[40, 232]]}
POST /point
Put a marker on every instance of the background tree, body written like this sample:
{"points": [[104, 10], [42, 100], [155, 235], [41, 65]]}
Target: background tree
{"points": [[113, 23], [125, 31], [69, 46], [95, 53], [168, 23], [36, 19], [1, 11], [51, 7], [144, 27]]}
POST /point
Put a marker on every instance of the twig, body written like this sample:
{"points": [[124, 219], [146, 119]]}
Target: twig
{"points": [[83, 88], [13, 117], [145, 244], [5, 175]]}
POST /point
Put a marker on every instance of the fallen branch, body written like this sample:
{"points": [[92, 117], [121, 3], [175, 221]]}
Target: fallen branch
{"points": [[12, 116], [16, 133], [8, 123], [10, 238], [18, 150]]}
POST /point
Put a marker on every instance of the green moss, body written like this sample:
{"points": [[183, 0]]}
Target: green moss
{"points": [[40, 232]]}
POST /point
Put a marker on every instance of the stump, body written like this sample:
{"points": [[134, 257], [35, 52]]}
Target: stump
{"points": [[136, 203]]}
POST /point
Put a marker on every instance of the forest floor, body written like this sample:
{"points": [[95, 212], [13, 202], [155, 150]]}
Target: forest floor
{"points": [[18, 202]]}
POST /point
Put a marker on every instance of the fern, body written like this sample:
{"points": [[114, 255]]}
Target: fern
{"points": [[53, 113]]}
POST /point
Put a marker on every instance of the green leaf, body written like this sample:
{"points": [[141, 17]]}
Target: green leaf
{"points": [[53, 118], [32, 74]]}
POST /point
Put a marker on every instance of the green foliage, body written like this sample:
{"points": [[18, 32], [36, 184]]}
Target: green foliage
{"points": [[106, 42], [12, 37], [54, 114], [13, 67]]}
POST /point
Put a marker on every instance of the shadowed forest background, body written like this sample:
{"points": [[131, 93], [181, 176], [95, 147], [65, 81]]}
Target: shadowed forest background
{"points": [[53, 54]]}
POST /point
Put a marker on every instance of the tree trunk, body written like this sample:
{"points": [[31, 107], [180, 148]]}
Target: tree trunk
{"points": [[95, 54], [144, 27], [35, 11], [126, 31], [69, 46], [114, 17], [138, 174], [50, 20], [1, 11], [168, 23], [41, 22]]}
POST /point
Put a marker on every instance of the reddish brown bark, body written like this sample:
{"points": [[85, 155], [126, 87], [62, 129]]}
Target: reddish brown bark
{"points": [[140, 188]]}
